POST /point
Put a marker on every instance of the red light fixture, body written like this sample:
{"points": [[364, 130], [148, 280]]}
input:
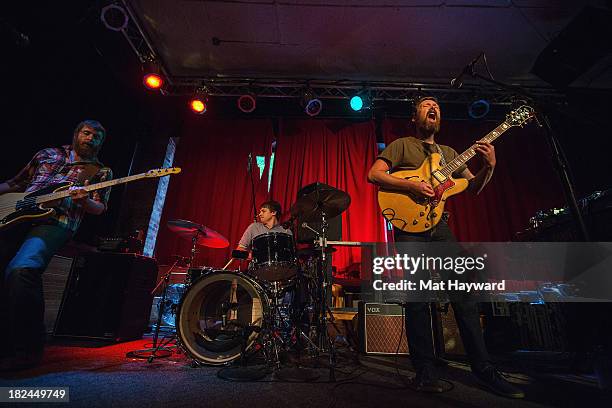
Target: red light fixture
{"points": [[198, 104], [153, 81], [247, 103]]}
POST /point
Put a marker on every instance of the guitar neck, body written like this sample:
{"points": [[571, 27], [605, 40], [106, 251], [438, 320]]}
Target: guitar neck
{"points": [[92, 187], [461, 159]]}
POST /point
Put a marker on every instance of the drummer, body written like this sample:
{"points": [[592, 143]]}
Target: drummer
{"points": [[269, 216]]}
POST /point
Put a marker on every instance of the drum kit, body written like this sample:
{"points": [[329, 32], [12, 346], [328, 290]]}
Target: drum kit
{"points": [[277, 306]]}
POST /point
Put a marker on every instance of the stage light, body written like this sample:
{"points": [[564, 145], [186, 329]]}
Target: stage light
{"points": [[312, 105], [361, 100], [356, 103], [199, 102], [479, 109], [247, 103], [152, 77], [198, 106], [153, 81], [114, 17]]}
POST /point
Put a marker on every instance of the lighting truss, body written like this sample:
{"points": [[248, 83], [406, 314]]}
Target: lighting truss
{"points": [[322, 89]]}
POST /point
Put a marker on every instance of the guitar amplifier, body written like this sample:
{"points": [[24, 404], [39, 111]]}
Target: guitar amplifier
{"points": [[108, 297], [381, 329]]}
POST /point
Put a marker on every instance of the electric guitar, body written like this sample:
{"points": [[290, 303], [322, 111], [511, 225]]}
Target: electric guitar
{"points": [[416, 213], [16, 208]]}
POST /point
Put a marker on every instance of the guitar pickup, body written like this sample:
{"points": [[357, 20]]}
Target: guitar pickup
{"points": [[441, 178]]}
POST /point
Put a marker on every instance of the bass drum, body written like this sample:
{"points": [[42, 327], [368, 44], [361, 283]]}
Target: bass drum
{"points": [[213, 313]]}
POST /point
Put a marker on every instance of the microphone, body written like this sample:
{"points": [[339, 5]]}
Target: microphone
{"points": [[250, 162], [457, 82]]}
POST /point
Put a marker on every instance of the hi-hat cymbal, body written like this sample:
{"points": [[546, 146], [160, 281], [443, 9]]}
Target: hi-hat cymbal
{"points": [[204, 236], [317, 198]]}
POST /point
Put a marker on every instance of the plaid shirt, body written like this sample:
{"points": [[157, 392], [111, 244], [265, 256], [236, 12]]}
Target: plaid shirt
{"points": [[56, 165]]}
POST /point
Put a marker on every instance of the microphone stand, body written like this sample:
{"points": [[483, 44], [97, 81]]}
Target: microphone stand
{"points": [[561, 164], [250, 171]]}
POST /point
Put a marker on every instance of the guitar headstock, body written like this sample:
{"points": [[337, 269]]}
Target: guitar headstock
{"points": [[163, 172], [520, 116]]}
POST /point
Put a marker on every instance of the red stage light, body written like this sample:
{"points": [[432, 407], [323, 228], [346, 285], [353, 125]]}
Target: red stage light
{"points": [[153, 81], [198, 105]]}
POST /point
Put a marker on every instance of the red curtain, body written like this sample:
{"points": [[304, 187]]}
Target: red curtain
{"points": [[523, 183], [338, 153], [214, 188]]}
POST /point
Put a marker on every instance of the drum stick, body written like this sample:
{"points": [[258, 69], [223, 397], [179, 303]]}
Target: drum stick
{"points": [[227, 264]]}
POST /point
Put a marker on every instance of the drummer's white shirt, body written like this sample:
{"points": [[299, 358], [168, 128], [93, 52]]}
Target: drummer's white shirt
{"points": [[256, 229]]}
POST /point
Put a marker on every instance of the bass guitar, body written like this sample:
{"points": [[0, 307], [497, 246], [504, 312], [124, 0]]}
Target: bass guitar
{"points": [[16, 208]]}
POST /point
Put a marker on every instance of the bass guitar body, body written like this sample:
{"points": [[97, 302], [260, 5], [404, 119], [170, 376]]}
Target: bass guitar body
{"points": [[16, 208], [412, 213]]}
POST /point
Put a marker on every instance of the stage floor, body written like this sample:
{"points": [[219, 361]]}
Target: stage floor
{"points": [[101, 375]]}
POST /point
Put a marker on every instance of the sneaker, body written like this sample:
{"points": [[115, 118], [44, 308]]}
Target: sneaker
{"points": [[426, 381], [494, 381]]}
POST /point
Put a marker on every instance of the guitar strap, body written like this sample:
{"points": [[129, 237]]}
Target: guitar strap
{"points": [[445, 214], [443, 159]]}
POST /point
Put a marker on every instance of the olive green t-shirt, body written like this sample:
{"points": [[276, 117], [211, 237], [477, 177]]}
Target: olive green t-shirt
{"points": [[408, 153]]}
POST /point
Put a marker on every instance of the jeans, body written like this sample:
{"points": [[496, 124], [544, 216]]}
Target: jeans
{"points": [[418, 314], [26, 253]]}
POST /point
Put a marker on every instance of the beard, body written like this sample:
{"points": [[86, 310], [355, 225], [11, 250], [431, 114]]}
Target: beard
{"points": [[85, 151], [425, 127]]}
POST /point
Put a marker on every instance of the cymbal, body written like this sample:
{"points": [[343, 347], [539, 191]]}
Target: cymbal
{"points": [[180, 226], [317, 198], [205, 236]]}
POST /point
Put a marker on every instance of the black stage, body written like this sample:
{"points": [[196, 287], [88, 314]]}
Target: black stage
{"points": [[101, 375]]}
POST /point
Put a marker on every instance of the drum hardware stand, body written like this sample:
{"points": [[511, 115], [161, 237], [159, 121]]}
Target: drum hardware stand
{"points": [[243, 372], [324, 339], [154, 351], [298, 373], [192, 254]]}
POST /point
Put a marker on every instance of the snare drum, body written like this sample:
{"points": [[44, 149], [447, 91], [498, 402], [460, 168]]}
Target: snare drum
{"points": [[274, 256]]}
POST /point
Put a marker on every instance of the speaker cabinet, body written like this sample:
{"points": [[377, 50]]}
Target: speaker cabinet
{"points": [[381, 329], [108, 297], [54, 283]]}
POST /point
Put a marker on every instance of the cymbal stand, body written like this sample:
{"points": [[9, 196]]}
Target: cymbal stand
{"points": [[192, 254], [324, 285]]}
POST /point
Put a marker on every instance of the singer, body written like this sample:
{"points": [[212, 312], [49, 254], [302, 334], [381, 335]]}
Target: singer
{"points": [[269, 215], [409, 153]]}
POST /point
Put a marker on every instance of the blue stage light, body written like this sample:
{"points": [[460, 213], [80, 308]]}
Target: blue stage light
{"points": [[356, 103]]}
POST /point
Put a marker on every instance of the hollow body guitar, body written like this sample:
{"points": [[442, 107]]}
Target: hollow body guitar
{"points": [[414, 213], [16, 208]]}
